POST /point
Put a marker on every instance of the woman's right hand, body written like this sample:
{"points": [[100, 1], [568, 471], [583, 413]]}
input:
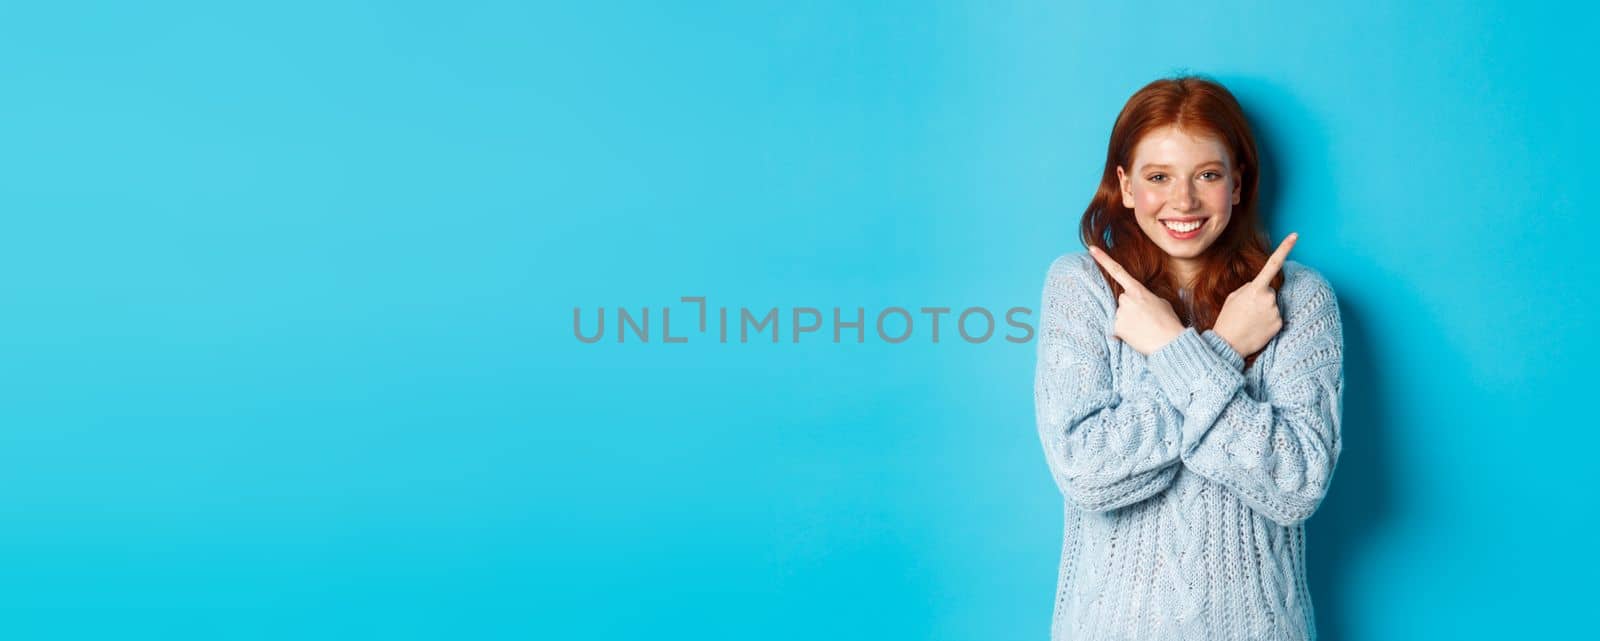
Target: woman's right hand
{"points": [[1249, 316]]}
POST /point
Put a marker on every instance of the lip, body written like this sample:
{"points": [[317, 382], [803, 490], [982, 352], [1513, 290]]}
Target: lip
{"points": [[1182, 219]]}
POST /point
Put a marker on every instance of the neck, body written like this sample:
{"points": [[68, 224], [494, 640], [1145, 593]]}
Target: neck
{"points": [[1183, 271]]}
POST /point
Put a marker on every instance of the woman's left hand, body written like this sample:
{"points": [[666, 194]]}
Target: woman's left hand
{"points": [[1144, 320]]}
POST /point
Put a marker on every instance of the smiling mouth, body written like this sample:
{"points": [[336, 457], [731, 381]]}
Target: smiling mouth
{"points": [[1185, 226]]}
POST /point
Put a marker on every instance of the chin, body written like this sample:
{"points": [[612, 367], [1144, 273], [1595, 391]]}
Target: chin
{"points": [[1187, 250]]}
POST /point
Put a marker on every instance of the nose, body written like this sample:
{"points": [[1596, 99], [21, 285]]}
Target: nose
{"points": [[1183, 197]]}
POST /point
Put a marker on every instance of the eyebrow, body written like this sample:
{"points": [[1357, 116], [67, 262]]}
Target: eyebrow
{"points": [[1204, 164]]}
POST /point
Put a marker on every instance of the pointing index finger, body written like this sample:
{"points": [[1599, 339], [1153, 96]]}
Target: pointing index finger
{"points": [[1118, 274], [1275, 261]]}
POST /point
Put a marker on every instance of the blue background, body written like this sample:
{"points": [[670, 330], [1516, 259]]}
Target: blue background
{"points": [[288, 294]]}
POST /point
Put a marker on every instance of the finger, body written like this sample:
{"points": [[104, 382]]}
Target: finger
{"points": [[1275, 261], [1118, 274]]}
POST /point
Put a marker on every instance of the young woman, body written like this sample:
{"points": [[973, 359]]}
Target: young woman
{"points": [[1188, 389]]}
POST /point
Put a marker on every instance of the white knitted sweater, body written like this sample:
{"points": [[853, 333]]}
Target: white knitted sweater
{"points": [[1187, 479]]}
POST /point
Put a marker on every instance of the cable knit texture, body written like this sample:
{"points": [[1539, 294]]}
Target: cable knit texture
{"points": [[1187, 479]]}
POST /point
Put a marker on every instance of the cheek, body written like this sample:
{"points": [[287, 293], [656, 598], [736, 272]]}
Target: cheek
{"points": [[1224, 214], [1220, 197], [1149, 201]]}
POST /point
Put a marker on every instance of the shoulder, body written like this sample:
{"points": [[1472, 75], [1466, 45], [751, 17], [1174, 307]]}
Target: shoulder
{"points": [[1071, 263], [1305, 289], [1301, 278], [1075, 278], [1076, 270]]}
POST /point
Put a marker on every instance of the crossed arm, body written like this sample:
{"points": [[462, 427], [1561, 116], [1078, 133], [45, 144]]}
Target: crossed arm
{"points": [[1108, 449]]}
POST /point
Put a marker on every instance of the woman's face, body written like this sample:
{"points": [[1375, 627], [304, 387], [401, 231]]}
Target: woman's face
{"points": [[1182, 190]]}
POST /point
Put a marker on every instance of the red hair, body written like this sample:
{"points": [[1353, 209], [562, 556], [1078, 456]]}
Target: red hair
{"points": [[1197, 106]]}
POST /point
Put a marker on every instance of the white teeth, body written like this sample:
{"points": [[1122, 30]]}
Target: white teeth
{"points": [[1182, 227]]}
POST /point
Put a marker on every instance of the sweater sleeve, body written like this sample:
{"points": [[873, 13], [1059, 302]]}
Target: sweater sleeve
{"points": [[1276, 454], [1220, 345], [1106, 450]]}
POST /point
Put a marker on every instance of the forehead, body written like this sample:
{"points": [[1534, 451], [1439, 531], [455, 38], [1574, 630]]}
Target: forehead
{"points": [[1178, 147]]}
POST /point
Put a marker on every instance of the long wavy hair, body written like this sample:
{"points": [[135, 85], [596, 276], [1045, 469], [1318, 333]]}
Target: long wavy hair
{"points": [[1198, 106]]}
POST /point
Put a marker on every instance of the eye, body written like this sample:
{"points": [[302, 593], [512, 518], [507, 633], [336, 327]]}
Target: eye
{"points": [[1155, 178], [1212, 175]]}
